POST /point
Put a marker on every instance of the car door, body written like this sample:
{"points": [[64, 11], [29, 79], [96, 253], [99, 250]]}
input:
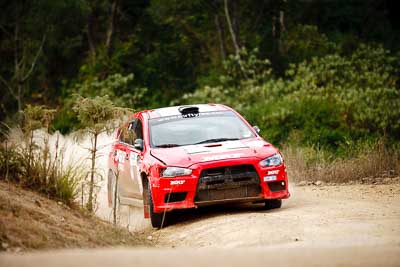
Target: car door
{"points": [[134, 157], [125, 185]]}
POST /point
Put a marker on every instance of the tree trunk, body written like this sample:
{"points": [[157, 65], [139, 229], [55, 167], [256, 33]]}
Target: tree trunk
{"points": [[17, 67], [221, 36], [273, 27], [234, 39], [115, 197], [111, 27], [282, 21], [16, 85], [19, 95], [91, 31], [92, 174], [235, 20], [282, 28], [193, 34], [231, 30]]}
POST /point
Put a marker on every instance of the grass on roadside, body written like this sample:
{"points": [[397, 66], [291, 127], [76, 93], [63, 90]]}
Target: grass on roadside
{"points": [[32, 164], [364, 161]]}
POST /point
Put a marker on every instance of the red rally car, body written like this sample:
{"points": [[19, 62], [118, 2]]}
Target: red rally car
{"points": [[189, 156]]}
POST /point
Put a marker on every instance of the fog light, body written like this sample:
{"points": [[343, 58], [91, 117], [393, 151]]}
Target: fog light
{"points": [[283, 183]]}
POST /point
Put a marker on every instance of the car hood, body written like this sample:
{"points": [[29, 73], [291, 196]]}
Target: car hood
{"points": [[185, 156]]}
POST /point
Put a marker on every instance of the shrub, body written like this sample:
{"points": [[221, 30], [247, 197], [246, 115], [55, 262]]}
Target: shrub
{"points": [[302, 42], [328, 100], [116, 86], [328, 112], [27, 158], [371, 160]]}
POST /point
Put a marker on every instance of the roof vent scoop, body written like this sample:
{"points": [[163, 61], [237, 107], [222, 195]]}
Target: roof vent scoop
{"points": [[189, 111]]}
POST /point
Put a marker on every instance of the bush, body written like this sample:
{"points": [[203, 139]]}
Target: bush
{"points": [[303, 42], [41, 171], [11, 163], [336, 116], [327, 101], [26, 158], [116, 86], [371, 160]]}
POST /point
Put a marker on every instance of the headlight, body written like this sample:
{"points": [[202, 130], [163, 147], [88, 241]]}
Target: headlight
{"points": [[176, 171], [274, 160]]}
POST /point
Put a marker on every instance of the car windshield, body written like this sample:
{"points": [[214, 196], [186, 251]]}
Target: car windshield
{"points": [[201, 128]]}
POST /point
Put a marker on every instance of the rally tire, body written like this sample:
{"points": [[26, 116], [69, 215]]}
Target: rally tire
{"points": [[155, 218], [273, 204]]}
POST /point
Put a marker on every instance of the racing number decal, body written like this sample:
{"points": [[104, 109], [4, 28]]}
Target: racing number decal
{"points": [[120, 158], [133, 164], [134, 161]]}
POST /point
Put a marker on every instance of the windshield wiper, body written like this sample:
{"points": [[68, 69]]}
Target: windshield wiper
{"points": [[214, 140], [167, 145]]}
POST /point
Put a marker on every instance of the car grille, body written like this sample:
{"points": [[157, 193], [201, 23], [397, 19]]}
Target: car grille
{"points": [[232, 182]]}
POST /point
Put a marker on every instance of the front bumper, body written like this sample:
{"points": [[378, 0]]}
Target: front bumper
{"points": [[186, 192]]}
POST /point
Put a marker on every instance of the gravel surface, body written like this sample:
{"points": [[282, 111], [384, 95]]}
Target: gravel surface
{"points": [[351, 225]]}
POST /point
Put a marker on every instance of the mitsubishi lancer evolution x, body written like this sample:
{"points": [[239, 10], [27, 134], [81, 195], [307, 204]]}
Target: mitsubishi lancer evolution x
{"points": [[190, 156]]}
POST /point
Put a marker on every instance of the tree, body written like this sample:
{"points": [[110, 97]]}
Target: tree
{"points": [[38, 50], [97, 115], [100, 36], [25, 55], [231, 30]]}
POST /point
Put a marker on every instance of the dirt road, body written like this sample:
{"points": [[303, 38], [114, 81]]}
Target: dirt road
{"points": [[315, 216], [352, 225]]}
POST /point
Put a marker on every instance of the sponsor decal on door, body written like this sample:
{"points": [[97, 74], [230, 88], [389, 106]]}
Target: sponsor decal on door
{"points": [[134, 161]]}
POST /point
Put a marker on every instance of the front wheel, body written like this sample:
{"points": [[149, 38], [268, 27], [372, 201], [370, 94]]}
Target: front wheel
{"points": [[155, 218], [273, 204]]}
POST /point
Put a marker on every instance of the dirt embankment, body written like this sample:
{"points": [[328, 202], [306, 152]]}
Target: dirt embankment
{"points": [[30, 221]]}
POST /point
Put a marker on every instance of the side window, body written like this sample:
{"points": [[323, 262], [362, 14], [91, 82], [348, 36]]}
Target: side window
{"points": [[125, 135], [138, 130], [132, 132]]}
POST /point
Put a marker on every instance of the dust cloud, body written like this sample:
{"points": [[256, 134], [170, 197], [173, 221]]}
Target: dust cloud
{"points": [[74, 149]]}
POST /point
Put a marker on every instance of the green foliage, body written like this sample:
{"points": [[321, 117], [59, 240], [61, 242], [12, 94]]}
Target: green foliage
{"points": [[245, 68], [336, 92], [116, 87], [327, 101], [303, 42], [36, 117], [245, 71], [11, 163], [97, 114], [361, 86]]}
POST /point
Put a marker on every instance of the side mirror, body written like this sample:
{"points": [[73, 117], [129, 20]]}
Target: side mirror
{"points": [[138, 144], [255, 127]]}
